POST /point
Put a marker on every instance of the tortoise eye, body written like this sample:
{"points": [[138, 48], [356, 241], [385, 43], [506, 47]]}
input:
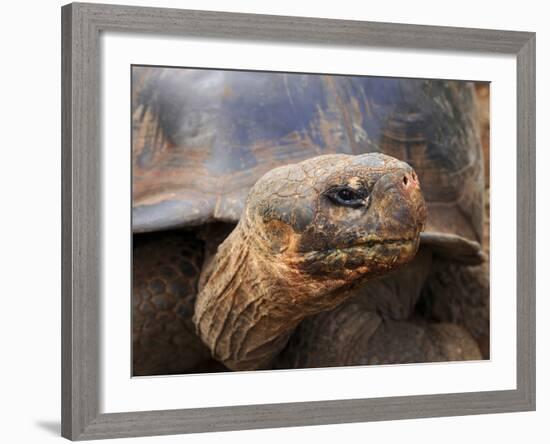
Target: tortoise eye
{"points": [[346, 196]]}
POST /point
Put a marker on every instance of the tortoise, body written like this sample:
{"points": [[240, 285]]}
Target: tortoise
{"points": [[301, 220]]}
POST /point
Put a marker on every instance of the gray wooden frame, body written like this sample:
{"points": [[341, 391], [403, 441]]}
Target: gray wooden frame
{"points": [[81, 167]]}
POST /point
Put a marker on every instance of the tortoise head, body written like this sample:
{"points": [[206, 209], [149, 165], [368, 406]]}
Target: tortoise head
{"points": [[338, 217], [310, 232]]}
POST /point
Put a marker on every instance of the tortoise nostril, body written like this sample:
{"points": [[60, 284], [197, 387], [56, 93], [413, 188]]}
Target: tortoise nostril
{"points": [[405, 180]]}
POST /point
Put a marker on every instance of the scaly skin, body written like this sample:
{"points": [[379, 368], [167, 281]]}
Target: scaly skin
{"points": [[300, 248], [165, 276], [352, 334]]}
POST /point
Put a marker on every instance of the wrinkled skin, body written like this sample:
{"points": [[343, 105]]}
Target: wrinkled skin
{"points": [[311, 233], [380, 324]]}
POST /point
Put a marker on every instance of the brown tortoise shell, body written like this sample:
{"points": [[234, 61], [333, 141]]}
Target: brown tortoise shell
{"points": [[202, 138]]}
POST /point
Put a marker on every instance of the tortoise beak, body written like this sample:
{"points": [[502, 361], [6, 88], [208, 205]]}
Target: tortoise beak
{"points": [[411, 189]]}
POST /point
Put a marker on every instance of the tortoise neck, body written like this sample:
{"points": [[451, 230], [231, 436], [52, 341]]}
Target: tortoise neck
{"points": [[249, 304]]}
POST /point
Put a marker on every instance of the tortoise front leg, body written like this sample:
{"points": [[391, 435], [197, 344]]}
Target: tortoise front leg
{"points": [[379, 325], [351, 335], [166, 269]]}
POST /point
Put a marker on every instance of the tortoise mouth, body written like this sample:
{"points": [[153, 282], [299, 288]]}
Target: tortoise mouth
{"points": [[372, 243], [368, 256], [366, 244]]}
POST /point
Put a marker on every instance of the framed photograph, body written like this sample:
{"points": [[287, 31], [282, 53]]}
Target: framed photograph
{"points": [[278, 221]]}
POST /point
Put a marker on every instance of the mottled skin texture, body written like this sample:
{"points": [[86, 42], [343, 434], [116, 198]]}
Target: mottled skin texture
{"points": [[299, 249]]}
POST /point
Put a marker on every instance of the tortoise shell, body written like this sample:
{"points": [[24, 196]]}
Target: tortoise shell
{"points": [[202, 138]]}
